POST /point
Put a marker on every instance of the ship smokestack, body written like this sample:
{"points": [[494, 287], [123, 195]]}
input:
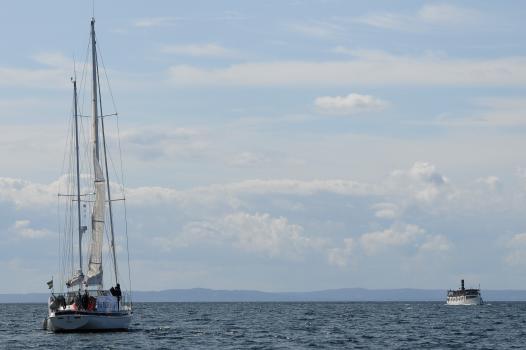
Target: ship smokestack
{"points": [[462, 284]]}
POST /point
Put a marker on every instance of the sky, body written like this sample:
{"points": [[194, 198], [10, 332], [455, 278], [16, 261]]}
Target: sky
{"points": [[278, 145]]}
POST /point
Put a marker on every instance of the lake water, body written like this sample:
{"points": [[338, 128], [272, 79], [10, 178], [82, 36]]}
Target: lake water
{"points": [[284, 326]]}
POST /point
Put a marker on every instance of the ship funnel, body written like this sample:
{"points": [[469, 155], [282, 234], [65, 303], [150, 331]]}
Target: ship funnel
{"points": [[462, 284]]}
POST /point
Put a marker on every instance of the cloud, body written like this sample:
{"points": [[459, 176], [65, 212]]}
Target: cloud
{"points": [[26, 193], [259, 233], [230, 196], [340, 256], [384, 20], [23, 229], [55, 75], [386, 210], [148, 22], [429, 14], [438, 243], [325, 224], [400, 235], [521, 175], [27, 106], [491, 112], [53, 59], [56, 72], [517, 246], [410, 182], [199, 50], [422, 180], [374, 242], [150, 143], [492, 182], [167, 21], [245, 159], [316, 29], [366, 67], [350, 104], [447, 14], [426, 172]]}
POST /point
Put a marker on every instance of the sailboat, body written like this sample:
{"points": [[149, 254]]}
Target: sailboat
{"points": [[85, 305]]}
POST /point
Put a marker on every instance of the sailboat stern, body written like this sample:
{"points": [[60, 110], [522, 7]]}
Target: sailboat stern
{"points": [[84, 321]]}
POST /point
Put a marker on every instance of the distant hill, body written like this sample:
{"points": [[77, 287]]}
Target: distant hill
{"points": [[344, 294]]}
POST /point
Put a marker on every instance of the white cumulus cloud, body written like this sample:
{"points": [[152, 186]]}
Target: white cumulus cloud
{"points": [[23, 229], [259, 232], [374, 242], [350, 104], [400, 235]]}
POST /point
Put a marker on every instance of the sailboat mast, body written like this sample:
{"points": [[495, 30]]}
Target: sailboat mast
{"points": [[78, 171], [97, 225], [94, 92]]}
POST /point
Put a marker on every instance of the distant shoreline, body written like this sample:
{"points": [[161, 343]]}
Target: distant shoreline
{"points": [[331, 295]]}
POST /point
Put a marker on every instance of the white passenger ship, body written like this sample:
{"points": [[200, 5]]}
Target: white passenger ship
{"points": [[464, 296]]}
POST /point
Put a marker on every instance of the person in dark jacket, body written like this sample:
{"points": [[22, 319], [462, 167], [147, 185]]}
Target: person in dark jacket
{"points": [[85, 300], [116, 292]]}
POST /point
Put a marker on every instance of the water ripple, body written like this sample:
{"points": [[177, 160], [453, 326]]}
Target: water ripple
{"points": [[283, 326]]}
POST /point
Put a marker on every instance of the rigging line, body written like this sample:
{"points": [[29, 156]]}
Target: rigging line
{"points": [[107, 180], [83, 79], [74, 68], [122, 167], [115, 172], [60, 261], [107, 81], [123, 190], [62, 248], [114, 108], [107, 237], [127, 249]]}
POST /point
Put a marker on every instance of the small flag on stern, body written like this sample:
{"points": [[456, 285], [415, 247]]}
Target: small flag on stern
{"points": [[50, 284]]}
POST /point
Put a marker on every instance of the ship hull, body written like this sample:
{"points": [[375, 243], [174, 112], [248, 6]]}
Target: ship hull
{"points": [[462, 300], [77, 322]]}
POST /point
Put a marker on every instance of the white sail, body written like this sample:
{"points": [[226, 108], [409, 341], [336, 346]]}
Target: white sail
{"points": [[94, 275]]}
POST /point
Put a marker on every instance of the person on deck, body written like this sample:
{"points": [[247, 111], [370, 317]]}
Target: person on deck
{"points": [[85, 300], [77, 304], [116, 292]]}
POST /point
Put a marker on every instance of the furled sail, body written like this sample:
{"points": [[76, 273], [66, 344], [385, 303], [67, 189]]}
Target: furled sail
{"points": [[78, 278], [94, 275]]}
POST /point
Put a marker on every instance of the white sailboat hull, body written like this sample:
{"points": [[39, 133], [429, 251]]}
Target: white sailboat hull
{"points": [[87, 322]]}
